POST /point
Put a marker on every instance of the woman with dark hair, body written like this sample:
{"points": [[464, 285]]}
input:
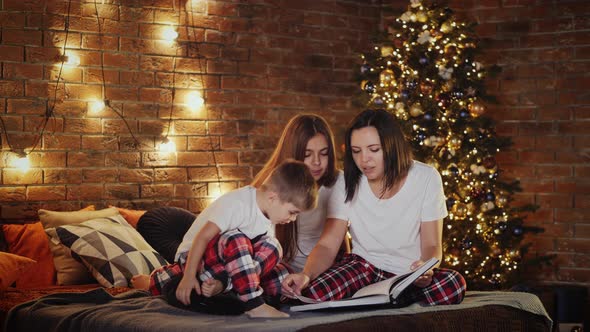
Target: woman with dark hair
{"points": [[394, 207], [307, 138]]}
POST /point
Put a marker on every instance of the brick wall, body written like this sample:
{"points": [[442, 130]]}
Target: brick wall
{"points": [[543, 48], [258, 64]]}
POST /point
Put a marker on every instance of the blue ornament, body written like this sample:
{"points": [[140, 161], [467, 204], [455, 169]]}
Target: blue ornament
{"points": [[463, 113], [423, 60], [421, 135], [378, 101], [369, 87], [428, 116], [490, 197], [405, 94], [365, 68], [517, 230]]}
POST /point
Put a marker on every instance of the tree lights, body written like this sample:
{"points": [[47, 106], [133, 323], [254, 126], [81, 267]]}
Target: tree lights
{"points": [[425, 72]]}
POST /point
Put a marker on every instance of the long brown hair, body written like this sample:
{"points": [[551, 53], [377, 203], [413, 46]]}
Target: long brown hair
{"points": [[397, 152], [292, 145]]}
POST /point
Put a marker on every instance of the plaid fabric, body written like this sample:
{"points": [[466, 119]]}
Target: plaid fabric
{"points": [[248, 267], [353, 272]]}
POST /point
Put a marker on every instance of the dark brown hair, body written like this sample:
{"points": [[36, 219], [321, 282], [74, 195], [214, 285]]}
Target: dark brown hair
{"points": [[397, 152]]}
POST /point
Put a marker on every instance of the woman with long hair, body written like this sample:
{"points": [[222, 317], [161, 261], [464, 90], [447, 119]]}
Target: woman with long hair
{"points": [[307, 138]]}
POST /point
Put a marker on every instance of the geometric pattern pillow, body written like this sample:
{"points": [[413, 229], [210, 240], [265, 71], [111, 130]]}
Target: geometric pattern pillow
{"points": [[111, 249]]}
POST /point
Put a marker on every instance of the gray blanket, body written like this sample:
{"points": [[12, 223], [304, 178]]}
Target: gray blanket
{"points": [[97, 310]]}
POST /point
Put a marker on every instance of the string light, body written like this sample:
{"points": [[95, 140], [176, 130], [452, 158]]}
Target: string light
{"points": [[167, 145], [71, 59], [96, 106], [169, 33], [21, 161], [194, 101]]}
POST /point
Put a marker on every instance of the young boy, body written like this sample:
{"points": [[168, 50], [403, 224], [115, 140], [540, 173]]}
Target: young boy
{"points": [[228, 242]]}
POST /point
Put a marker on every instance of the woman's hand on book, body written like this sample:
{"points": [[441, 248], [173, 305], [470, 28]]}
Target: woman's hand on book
{"points": [[294, 283], [425, 279]]}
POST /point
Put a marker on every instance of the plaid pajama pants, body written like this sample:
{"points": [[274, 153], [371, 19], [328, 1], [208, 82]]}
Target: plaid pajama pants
{"points": [[247, 267], [353, 272]]}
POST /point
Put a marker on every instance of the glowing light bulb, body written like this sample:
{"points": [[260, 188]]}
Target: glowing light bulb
{"points": [[22, 163], [169, 33], [96, 106], [167, 146], [71, 59], [194, 101]]}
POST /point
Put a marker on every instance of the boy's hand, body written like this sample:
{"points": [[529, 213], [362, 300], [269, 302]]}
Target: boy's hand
{"points": [[185, 287], [425, 279], [293, 284]]}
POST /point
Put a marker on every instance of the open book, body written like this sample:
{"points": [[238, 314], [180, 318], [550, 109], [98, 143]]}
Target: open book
{"points": [[380, 293]]}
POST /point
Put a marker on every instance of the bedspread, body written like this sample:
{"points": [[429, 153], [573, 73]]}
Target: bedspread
{"points": [[97, 310]]}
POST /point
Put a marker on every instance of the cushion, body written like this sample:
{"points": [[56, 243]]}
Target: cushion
{"points": [[69, 271], [112, 249], [131, 216], [164, 227], [11, 267], [29, 240]]}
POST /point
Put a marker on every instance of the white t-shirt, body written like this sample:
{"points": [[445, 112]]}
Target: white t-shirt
{"points": [[235, 210], [386, 232], [310, 225]]}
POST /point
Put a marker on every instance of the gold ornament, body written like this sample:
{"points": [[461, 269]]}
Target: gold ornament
{"points": [[487, 206], [387, 77], [421, 16], [386, 51], [401, 114], [416, 110], [446, 27], [476, 108], [450, 50], [454, 142]]}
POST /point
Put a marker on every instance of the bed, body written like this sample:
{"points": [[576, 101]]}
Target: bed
{"points": [[134, 310], [90, 306]]}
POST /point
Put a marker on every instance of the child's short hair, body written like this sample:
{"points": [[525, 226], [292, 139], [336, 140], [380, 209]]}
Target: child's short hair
{"points": [[293, 182]]}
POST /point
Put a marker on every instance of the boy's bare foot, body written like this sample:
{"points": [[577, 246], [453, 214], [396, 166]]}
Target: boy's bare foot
{"points": [[211, 287], [266, 311], [140, 281]]}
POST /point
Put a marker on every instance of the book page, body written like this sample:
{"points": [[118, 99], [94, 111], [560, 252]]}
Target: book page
{"points": [[411, 277], [306, 299], [379, 288]]}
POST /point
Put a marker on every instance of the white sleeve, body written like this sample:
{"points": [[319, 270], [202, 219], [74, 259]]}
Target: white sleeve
{"points": [[337, 209], [434, 206]]}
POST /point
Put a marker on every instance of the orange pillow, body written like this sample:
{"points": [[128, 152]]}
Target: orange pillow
{"points": [[131, 216], [30, 240], [12, 268]]}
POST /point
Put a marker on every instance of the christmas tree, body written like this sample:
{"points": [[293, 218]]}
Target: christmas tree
{"points": [[424, 70]]}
